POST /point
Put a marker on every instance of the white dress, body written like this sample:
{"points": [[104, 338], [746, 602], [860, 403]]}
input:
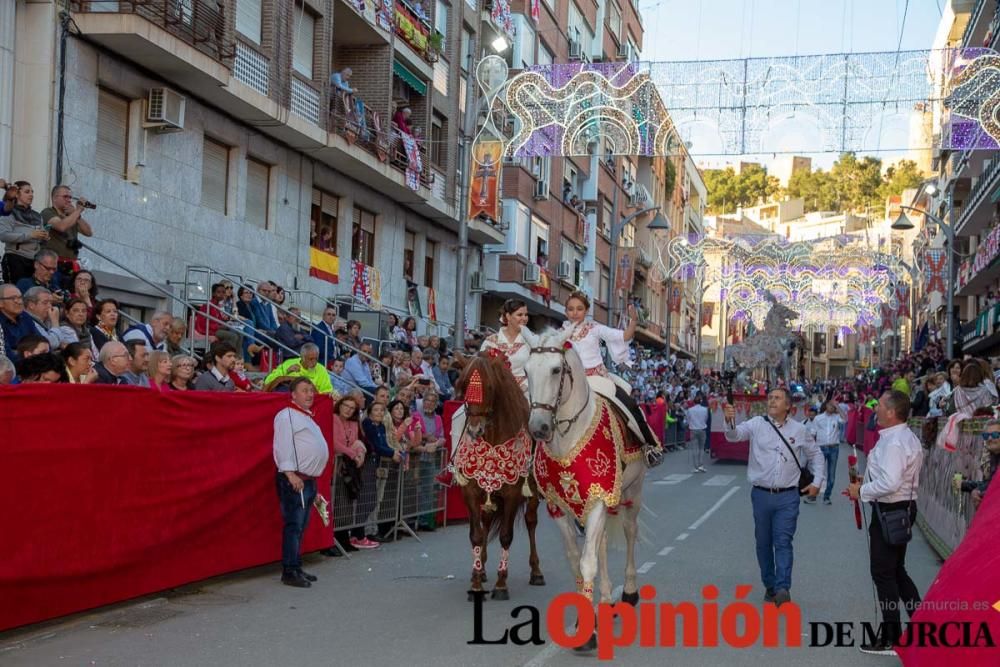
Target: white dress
{"points": [[517, 352], [586, 339]]}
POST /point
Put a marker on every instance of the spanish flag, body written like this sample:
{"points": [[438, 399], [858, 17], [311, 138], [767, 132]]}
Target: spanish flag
{"points": [[324, 265]]}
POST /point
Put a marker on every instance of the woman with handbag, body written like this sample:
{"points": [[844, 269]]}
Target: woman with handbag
{"points": [[890, 486], [352, 475]]}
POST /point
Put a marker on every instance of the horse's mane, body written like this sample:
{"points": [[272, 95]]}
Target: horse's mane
{"points": [[501, 392]]}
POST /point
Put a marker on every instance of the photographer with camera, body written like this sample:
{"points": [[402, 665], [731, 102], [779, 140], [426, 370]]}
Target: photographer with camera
{"points": [[22, 232], [65, 224]]}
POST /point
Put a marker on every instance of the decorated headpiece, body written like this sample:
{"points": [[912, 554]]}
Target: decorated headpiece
{"points": [[474, 389]]}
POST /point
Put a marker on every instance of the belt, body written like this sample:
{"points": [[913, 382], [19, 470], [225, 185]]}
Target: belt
{"points": [[770, 490]]}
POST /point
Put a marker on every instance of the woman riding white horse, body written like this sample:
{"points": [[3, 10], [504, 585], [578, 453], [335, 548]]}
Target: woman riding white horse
{"points": [[586, 336], [511, 342]]}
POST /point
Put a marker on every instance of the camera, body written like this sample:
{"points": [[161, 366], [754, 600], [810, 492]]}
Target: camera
{"points": [[85, 203]]}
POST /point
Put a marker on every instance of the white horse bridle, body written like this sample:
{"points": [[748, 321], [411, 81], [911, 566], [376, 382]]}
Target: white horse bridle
{"points": [[564, 372]]}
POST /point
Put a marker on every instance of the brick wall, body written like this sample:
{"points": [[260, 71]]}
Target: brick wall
{"points": [[372, 74]]}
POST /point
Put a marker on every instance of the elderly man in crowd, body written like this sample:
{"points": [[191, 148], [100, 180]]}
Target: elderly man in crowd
{"points": [[15, 322], [153, 334], [358, 372], [324, 336], [139, 364], [306, 366], [301, 454], [46, 265], [38, 303], [222, 357], [175, 335], [6, 370], [113, 362]]}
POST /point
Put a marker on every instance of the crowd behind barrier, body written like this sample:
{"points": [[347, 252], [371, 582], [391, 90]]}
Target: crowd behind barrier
{"points": [[944, 512]]}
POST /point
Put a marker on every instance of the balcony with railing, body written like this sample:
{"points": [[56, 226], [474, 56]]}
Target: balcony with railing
{"points": [[977, 212], [416, 31], [365, 128], [192, 41], [974, 29]]}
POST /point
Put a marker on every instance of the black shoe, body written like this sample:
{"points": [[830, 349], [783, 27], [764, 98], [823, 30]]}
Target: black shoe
{"points": [[332, 552], [295, 579], [768, 596], [307, 576], [347, 546], [781, 596], [881, 647], [428, 529]]}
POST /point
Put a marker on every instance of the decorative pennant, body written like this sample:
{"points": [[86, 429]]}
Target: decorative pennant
{"points": [[707, 314], [625, 272], [484, 188], [934, 261]]}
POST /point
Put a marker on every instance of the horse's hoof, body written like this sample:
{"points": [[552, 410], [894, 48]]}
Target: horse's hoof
{"points": [[590, 646], [536, 580], [500, 594], [630, 598]]}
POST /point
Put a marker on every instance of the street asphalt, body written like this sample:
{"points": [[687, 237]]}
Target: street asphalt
{"points": [[405, 603]]}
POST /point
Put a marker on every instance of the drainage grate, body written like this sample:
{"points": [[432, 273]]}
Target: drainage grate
{"points": [[141, 617]]}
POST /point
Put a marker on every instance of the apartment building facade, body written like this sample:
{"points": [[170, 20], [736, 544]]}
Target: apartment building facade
{"points": [[210, 134], [967, 196]]}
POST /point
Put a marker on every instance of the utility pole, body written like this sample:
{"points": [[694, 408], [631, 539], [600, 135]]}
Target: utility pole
{"points": [[468, 130]]}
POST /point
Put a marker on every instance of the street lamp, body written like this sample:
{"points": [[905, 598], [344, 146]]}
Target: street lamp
{"points": [[903, 223], [658, 222]]}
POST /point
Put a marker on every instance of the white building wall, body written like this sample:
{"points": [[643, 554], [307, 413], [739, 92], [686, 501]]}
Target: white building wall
{"points": [[153, 222]]}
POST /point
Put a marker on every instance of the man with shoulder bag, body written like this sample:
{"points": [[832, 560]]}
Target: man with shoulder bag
{"points": [[784, 463], [890, 487]]}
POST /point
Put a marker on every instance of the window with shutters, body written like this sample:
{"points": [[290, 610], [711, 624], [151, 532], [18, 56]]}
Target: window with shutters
{"points": [[325, 208], [363, 237], [430, 251], [605, 227], [604, 285], [112, 132], [258, 193], [409, 246], [615, 20], [305, 31], [248, 19], [439, 135], [214, 176]]}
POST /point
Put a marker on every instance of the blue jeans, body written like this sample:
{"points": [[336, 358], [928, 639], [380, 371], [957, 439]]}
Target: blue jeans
{"points": [[295, 517], [830, 453], [775, 516]]}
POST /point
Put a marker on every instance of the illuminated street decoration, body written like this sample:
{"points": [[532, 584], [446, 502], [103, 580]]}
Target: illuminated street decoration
{"points": [[850, 100], [974, 101], [834, 281]]}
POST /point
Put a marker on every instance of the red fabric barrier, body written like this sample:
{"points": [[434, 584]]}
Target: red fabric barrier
{"points": [[656, 417], [970, 577], [116, 492]]}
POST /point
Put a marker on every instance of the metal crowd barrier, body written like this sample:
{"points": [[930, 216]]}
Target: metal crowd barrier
{"points": [[392, 496], [944, 514]]}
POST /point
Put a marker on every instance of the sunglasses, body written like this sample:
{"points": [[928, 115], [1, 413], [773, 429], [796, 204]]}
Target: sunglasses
{"points": [[991, 436]]}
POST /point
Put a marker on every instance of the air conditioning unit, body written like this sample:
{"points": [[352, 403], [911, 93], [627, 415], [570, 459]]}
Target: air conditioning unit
{"points": [[532, 274], [565, 270], [478, 283], [541, 189], [575, 50], [625, 51], [165, 109], [634, 200]]}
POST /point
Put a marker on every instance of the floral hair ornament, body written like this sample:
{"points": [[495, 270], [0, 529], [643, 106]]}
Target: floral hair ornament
{"points": [[474, 389], [567, 345]]}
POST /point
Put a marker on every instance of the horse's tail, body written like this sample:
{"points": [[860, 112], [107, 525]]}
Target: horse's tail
{"points": [[496, 516]]}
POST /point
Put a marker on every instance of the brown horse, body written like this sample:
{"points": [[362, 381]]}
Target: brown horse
{"points": [[493, 467]]}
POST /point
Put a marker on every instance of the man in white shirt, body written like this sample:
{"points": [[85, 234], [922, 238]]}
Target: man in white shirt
{"points": [[697, 422], [892, 475], [827, 429], [777, 446], [301, 454]]}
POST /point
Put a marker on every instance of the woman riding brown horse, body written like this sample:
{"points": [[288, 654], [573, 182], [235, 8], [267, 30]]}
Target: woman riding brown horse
{"points": [[493, 466]]}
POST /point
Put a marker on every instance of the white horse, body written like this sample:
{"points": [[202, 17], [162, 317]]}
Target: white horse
{"points": [[565, 411]]}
